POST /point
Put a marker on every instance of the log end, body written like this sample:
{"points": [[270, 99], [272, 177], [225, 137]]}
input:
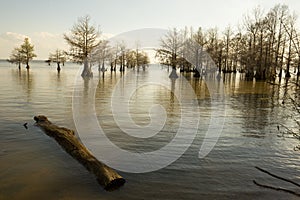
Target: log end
{"points": [[114, 184], [43, 121], [40, 118]]}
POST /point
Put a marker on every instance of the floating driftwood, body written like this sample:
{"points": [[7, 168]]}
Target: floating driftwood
{"points": [[106, 177]]}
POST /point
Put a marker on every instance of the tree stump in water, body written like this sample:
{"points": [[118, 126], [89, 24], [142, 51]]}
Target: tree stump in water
{"points": [[108, 178]]}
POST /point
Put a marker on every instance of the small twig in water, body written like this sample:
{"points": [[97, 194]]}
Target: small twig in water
{"points": [[276, 188], [278, 177], [25, 125]]}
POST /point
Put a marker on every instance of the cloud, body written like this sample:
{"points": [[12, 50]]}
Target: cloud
{"points": [[12, 37], [44, 43], [106, 36], [45, 35], [146, 37], [8, 41]]}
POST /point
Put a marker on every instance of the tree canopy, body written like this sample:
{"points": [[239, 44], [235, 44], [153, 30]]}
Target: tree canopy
{"points": [[23, 54], [83, 39]]}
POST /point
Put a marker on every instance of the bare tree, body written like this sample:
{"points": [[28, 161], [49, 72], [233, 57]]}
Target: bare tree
{"points": [[290, 29], [58, 57], [171, 47], [227, 44], [238, 44], [101, 54], [83, 39], [214, 46], [194, 50], [296, 43], [281, 38], [122, 56], [252, 27]]}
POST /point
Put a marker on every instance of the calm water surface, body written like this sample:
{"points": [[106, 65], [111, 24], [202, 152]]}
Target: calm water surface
{"points": [[33, 166]]}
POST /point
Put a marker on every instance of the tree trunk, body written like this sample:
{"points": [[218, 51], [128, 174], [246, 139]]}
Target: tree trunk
{"points": [[86, 70], [197, 73], [173, 73], [111, 66], [287, 75], [115, 66], [102, 68], [279, 44], [58, 67], [27, 65], [281, 61], [106, 177], [260, 71]]}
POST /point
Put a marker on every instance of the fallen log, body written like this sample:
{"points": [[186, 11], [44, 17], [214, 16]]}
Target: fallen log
{"points": [[108, 178]]}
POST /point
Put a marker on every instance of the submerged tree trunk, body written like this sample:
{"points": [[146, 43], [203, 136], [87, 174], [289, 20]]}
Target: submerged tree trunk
{"points": [[173, 73], [112, 66], [287, 74], [197, 73], [106, 177], [58, 67], [27, 65], [281, 60], [87, 72]]}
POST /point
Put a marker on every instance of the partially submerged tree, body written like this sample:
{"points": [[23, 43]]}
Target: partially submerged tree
{"points": [[195, 46], [101, 54], [122, 56], [58, 57], [292, 46], [128, 58], [16, 57], [23, 54], [171, 46], [83, 39], [27, 50], [137, 59], [143, 60], [170, 49]]}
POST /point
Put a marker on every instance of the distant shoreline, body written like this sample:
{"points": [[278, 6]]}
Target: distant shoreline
{"points": [[34, 61], [6, 60]]}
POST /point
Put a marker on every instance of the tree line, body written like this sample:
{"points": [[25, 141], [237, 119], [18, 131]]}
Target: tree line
{"points": [[265, 45], [86, 47]]}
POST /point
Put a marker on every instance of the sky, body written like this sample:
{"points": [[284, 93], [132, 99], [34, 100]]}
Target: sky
{"points": [[45, 21]]}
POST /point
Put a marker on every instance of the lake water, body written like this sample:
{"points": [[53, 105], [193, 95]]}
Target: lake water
{"points": [[33, 166]]}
